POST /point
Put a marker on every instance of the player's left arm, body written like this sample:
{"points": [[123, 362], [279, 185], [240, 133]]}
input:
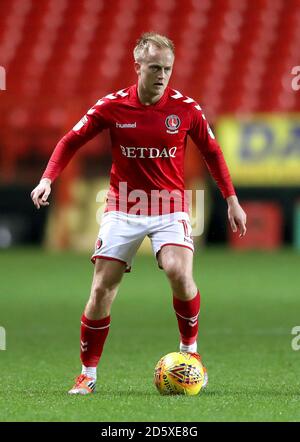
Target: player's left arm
{"points": [[204, 139], [236, 215]]}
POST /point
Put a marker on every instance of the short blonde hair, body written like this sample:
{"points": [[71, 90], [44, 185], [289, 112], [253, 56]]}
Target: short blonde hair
{"points": [[148, 38]]}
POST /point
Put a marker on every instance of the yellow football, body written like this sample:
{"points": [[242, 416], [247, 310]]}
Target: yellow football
{"points": [[179, 373]]}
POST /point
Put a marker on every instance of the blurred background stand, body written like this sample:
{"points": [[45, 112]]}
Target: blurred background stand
{"points": [[235, 57]]}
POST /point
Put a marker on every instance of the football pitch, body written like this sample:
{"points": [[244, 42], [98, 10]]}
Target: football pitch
{"points": [[250, 303]]}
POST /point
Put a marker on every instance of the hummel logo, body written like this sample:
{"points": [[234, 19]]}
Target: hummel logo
{"points": [[83, 346], [126, 125], [193, 321]]}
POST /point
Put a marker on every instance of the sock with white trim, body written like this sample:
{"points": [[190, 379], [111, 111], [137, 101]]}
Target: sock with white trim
{"points": [[187, 313], [188, 348], [93, 336], [91, 372]]}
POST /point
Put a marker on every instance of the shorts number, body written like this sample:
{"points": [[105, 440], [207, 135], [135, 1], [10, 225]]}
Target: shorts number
{"points": [[185, 227]]}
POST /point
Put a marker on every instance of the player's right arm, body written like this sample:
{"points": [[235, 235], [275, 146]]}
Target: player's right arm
{"points": [[87, 128], [41, 192]]}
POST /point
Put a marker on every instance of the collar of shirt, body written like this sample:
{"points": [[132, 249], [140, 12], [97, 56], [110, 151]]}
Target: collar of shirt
{"points": [[134, 98]]}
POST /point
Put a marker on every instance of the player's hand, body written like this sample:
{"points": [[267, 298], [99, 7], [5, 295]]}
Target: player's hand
{"points": [[236, 215], [41, 192]]}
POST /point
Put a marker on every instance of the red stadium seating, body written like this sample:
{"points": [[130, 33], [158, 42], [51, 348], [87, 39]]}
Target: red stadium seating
{"points": [[61, 56]]}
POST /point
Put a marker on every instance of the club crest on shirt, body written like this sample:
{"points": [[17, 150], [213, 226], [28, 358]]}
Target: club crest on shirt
{"points": [[173, 122]]}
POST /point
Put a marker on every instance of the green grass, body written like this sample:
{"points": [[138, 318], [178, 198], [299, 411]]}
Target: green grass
{"points": [[250, 303]]}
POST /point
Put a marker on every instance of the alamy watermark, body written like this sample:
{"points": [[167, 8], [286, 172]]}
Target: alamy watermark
{"points": [[296, 80], [296, 340], [137, 204], [2, 79], [2, 338]]}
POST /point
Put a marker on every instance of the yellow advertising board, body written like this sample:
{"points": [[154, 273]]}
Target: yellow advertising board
{"points": [[261, 150]]}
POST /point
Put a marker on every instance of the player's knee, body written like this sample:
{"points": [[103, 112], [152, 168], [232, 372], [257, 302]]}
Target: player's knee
{"points": [[181, 281], [171, 266], [174, 269]]}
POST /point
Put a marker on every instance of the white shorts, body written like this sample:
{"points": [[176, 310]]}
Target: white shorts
{"points": [[121, 234]]}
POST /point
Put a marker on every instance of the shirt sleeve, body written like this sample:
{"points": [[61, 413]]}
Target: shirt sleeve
{"points": [[90, 125], [203, 137]]}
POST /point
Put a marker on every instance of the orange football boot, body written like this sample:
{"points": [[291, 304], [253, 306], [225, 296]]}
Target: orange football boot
{"points": [[83, 385]]}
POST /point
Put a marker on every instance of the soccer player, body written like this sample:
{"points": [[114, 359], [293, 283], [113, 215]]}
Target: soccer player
{"points": [[149, 123]]}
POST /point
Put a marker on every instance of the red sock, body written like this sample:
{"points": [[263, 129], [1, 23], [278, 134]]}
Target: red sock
{"points": [[187, 316], [93, 335]]}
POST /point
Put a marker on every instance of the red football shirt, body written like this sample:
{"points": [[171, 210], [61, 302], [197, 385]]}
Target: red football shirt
{"points": [[148, 146]]}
